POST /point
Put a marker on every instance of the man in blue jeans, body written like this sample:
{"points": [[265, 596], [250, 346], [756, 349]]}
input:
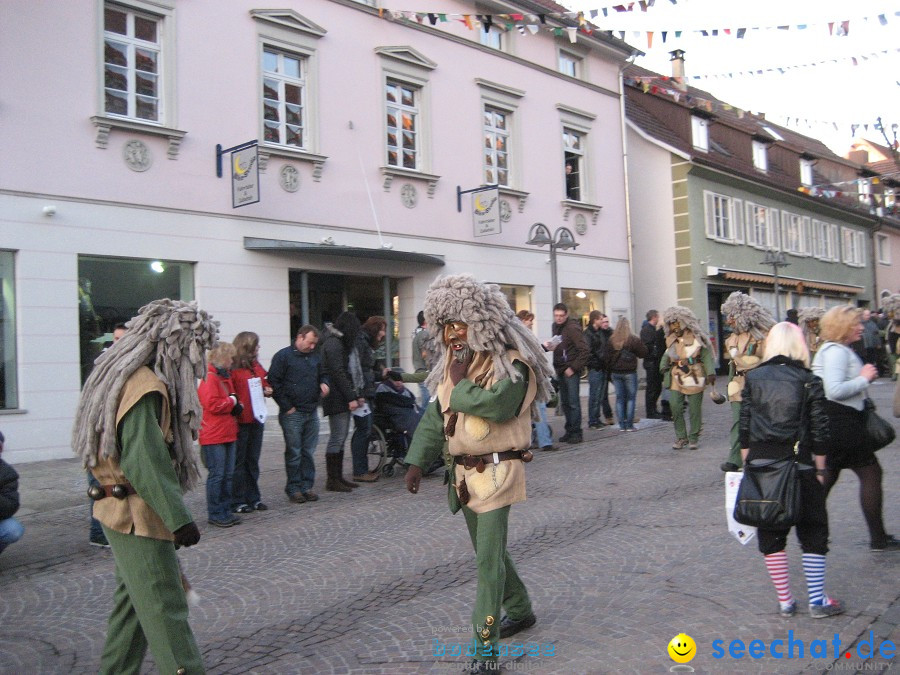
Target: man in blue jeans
{"points": [[570, 355], [298, 383]]}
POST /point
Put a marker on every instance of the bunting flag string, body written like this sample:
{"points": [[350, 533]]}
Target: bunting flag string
{"points": [[646, 83], [532, 23]]}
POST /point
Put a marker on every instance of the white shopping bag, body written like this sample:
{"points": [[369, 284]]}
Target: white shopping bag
{"points": [[257, 399], [362, 410], [743, 533]]}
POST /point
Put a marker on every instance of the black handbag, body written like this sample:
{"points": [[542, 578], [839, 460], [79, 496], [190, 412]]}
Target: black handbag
{"points": [[879, 432], [769, 495]]}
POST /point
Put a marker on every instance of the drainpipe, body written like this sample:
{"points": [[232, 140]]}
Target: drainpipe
{"points": [[627, 200]]}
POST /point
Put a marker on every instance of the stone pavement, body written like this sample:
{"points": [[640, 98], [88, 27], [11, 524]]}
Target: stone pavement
{"points": [[622, 544]]}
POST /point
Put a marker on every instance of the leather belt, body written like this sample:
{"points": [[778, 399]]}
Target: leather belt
{"points": [[119, 491], [479, 462]]}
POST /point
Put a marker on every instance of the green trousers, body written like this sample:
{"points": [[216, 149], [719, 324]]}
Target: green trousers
{"points": [[498, 582], [695, 414], [734, 456], [149, 606]]}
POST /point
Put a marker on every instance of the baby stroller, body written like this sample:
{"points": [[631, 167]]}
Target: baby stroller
{"points": [[389, 440]]}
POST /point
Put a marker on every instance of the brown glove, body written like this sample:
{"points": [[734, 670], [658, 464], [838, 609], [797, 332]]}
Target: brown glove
{"points": [[711, 380], [187, 535]]}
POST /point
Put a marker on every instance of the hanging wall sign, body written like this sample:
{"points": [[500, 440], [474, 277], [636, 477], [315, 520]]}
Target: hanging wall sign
{"points": [[245, 176], [486, 212]]}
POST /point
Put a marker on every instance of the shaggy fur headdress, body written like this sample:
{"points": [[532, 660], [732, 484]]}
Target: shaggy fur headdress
{"points": [[748, 315], [891, 306], [493, 327], [807, 314], [170, 337], [688, 321]]}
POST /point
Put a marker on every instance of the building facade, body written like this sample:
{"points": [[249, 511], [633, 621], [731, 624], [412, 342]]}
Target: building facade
{"points": [[723, 200], [368, 123]]}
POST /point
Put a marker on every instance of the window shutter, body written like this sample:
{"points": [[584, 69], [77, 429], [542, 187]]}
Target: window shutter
{"points": [[772, 235], [860, 248], [833, 243], [785, 231], [738, 224], [846, 244], [805, 246], [816, 238], [750, 220], [709, 199]]}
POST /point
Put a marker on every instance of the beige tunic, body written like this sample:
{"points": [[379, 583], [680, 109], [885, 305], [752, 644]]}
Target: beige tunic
{"points": [[133, 515], [745, 352], [686, 350]]}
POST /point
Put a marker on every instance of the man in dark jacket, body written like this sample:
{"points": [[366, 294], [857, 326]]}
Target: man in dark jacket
{"points": [[596, 336], [11, 530], [655, 342], [570, 356], [298, 381]]}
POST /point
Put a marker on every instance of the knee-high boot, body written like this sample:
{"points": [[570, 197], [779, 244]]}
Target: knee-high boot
{"points": [[333, 469], [340, 472]]}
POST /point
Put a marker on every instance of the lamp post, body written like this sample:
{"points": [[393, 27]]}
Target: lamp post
{"points": [[776, 260], [561, 239]]}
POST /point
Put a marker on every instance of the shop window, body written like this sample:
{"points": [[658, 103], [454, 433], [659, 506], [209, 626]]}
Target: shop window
{"points": [[518, 297], [112, 290], [581, 302], [9, 395]]}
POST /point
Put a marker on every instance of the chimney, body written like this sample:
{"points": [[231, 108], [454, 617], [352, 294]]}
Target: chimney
{"points": [[858, 156], [677, 59]]}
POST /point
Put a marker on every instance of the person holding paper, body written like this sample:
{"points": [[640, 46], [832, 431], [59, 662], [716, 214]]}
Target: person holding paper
{"points": [[251, 423], [346, 399]]}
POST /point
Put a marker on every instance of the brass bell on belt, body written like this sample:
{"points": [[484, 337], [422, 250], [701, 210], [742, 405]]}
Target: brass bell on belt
{"points": [[485, 633], [489, 621], [119, 491]]}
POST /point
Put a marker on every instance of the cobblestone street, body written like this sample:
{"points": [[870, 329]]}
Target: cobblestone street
{"points": [[622, 544]]}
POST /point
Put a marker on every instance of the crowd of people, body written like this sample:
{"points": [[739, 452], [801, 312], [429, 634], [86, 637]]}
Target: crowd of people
{"points": [[486, 383]]}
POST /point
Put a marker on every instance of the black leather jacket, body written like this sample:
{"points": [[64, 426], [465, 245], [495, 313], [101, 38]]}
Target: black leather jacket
{"points": [[771, 411]]}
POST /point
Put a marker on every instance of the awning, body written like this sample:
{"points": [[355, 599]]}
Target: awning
{"points": [[307, 248], [799, 284]]}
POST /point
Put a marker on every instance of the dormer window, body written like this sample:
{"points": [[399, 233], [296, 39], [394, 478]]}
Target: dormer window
{"points": [[865, 191], [760, 156], [700, 133], [806, 172]]}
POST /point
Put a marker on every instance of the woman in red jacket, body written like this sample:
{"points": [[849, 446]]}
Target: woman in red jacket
{"points": [[245, 493], [218, 434]]}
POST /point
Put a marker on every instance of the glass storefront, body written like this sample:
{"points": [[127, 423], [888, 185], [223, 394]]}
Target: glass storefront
{"points": [[9, 396], [518, 297], [112, 290], [581, 302]]}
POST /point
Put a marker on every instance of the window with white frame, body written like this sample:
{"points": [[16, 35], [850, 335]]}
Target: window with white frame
{"points": [[284, 98], [573, 144], [760, 156], [795, 233], [724, 218], [492, 37], [132, 63], [853, 247], [762, 226], [496, 145], [825, 241], [569, 64], [883, 248], [806, 172], [700, 133], [865, 191], [890, 197], [9, 395], [402, 110]]}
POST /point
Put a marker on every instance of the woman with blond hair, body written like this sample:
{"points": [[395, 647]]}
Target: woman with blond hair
{"points": [[245, 491], [625, 350], [783, 413], [218, 433], [846, 381]]}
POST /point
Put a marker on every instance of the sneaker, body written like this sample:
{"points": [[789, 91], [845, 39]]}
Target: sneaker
{"points": [[789, 611], [631, 429], [830, 607], [259, 506], [509, 627], [297, 498], [236, 520], [728, 466], [694, 445], [610, 420], [99, 540], [549, 448], [889, 544], [242, 508], [596, 425], [679, 444], [221, 523]]}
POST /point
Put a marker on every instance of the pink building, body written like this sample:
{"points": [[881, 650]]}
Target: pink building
{"points": [[367, 124]]}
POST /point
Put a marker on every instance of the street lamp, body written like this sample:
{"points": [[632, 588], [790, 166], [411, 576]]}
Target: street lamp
{"points": [[562, 239], [776, 260]]}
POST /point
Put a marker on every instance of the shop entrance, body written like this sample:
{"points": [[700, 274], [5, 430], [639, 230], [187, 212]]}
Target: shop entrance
{"points": [[317, 298]]}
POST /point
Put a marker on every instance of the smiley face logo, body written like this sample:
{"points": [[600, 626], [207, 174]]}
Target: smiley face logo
{"points": [[682, 648]]}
